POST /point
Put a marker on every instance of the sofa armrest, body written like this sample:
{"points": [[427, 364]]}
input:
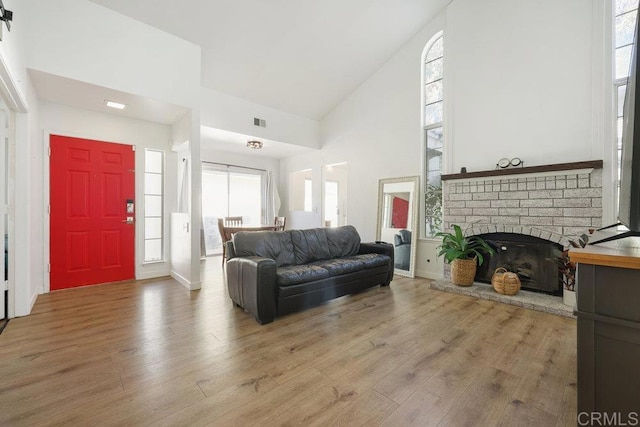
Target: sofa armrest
{"points": [[251, 282], [382, 248], [230, 250]]}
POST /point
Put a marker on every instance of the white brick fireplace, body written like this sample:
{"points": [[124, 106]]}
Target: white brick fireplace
{"points": [[556, 205]]}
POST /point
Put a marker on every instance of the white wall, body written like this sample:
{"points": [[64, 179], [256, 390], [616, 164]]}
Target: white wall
{"points": [[23, 239], [34, 263], [80, 40], [12, 51], [519, 82], [19, 95], [180, 220], [68, 121], [233, 114], [210, 154], [377, 131]]}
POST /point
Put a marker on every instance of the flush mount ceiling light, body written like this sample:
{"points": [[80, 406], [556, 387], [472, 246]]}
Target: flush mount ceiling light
{"points": [[255, 144], [113, 104]]}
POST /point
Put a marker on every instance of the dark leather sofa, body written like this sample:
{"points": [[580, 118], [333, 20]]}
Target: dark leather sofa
{"points": [[272, 273], [402, 242]]}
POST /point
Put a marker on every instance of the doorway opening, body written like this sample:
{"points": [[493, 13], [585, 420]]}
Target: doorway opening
{"points": [[334, 194], [230, 191]]}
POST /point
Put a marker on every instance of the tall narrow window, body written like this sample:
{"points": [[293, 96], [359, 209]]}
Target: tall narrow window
{"points": [[626, 13], [433, 134], [153, 203]]}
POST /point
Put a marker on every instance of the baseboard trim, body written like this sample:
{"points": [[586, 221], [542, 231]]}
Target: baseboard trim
{"points": [[184, 282], [428, 275], [34, 297], [153, 274]]}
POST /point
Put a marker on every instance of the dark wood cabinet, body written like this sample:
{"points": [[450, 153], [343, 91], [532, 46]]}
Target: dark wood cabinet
{"points": [[608, 316]]}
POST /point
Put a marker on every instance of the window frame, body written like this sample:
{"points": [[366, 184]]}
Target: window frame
{"points": [[425, 128], [162, 237], [617, 83]]}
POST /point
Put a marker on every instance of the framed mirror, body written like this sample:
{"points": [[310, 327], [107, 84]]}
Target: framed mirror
{"points": [[398, 220]]}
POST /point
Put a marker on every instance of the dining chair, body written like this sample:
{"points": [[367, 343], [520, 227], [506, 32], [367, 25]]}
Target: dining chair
{"points": [[280, 222], [232, 221], [224, 237]]}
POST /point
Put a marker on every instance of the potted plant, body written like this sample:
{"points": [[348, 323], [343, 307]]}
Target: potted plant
{"points": [[568, 271], [463, 253]]}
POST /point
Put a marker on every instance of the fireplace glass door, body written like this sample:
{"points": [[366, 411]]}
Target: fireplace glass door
{"points": [[535, 260]]}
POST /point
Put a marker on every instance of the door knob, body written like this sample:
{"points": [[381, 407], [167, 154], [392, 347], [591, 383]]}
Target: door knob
{"points": [[129, 220]]}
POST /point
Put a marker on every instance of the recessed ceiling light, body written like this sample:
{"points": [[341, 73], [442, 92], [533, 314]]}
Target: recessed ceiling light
{"points": [[113, 104], [256, 145]]}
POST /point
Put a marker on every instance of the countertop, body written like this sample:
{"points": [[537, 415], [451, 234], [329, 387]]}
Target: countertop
{"points": [[623, 253]]}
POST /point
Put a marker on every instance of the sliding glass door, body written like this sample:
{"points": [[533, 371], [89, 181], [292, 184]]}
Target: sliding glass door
{"points": [[229, 191]]}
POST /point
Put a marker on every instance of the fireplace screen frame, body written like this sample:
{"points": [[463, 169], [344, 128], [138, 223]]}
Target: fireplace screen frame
{"points": [[535, 260]]}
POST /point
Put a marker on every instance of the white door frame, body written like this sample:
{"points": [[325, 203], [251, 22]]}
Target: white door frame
{"points": [[15, 103]]}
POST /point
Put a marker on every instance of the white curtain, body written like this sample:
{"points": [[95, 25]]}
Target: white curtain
{"points": [[183, 188], [271, 197]]}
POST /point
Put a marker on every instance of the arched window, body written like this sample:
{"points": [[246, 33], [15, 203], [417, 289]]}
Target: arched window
{"points": [[433, 133]]}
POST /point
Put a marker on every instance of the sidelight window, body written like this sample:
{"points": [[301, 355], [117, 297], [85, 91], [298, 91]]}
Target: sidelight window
{"points": [[153, 205]]}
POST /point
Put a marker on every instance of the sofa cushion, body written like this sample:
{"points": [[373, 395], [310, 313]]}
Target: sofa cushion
{"points": [[296, 274], [343, 241], [310, 245], [336, 267], [371, 260], [276, 245]]}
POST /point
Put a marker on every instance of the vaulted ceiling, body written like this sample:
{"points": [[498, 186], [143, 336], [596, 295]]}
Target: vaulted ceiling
{"points": [[298, 56]]}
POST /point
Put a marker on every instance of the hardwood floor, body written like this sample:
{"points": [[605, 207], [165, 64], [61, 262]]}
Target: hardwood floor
{"points": [[154, 353]]}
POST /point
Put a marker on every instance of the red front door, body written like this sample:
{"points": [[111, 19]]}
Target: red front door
{"points": [[92, 234]]}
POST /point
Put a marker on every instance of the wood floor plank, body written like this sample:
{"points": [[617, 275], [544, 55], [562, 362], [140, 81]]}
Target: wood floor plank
{"points": [[133, 407], [152, 352], [528, 415], [317, 409], [551, 370], [43, 402], [369, 408], [406, 378], [430, 403], [484, 402], [525, 338], [279, 400]]}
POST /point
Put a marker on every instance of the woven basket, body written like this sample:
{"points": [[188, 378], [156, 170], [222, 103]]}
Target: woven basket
{"points": [[463, 271], [505, 282]]}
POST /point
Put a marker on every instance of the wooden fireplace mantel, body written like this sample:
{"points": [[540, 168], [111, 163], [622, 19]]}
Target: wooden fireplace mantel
{"points": [[593, 164]]}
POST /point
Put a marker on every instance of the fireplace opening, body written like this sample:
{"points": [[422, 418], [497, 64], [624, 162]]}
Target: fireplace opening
{"points": [[535, 260]]}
